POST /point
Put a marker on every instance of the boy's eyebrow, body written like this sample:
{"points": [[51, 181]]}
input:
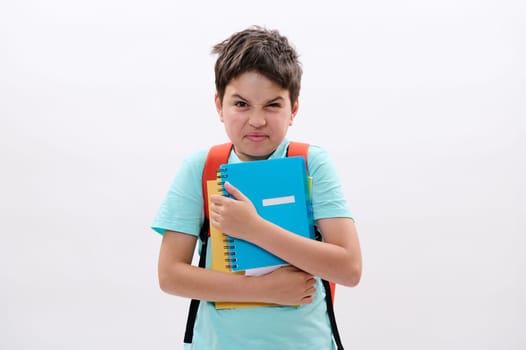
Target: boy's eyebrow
{"points": [[238, 96], [276, 99], [279, 98]]}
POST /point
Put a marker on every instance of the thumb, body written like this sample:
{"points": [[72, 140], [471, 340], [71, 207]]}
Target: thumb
{"points": [[234, 192]]}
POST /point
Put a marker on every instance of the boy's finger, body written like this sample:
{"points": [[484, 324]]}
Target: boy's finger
{"points": [[234, 192], [216, 199]]}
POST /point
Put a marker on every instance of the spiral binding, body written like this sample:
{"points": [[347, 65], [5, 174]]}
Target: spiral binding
{"points": [[229, 242], [221, 176]]}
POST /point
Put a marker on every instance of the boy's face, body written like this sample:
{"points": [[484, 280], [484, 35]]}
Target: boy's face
{"points": [[257, 114]]}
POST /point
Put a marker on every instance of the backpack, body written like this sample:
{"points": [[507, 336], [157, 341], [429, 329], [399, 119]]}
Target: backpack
{"points": [[218, 155]]}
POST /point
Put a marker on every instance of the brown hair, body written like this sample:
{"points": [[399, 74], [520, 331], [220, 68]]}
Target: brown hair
{"points": [[262, 50]]}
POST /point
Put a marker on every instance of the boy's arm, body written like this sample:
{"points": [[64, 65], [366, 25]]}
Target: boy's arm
{"points": [[285, 286], [337, 258]]}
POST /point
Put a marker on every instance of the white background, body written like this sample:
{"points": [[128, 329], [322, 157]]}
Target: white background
{"points": [[421, 104]]}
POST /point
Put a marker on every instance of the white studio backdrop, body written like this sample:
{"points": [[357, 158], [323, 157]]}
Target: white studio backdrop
{"points": [[421, 104]]}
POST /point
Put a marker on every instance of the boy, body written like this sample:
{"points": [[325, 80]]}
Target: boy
{"points": [[258, 78]]}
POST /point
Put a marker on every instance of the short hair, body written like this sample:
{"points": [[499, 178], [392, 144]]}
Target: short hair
{"points": [[258, 49]]}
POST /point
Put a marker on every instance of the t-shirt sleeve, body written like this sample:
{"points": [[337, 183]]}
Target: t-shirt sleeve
{"points": [[328, 198], [182, 208]]}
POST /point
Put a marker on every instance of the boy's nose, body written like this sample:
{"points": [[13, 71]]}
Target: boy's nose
{"points": [[257, 119]]}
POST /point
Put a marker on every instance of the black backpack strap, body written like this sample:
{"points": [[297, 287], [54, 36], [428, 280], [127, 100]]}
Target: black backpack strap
{"points": [[330, 304], [194, 304], [330, 312]]}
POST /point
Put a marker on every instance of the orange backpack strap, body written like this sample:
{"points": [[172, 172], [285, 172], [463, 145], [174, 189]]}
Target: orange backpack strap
{"points": [[299, 149], [217, 155], [302, 149]]}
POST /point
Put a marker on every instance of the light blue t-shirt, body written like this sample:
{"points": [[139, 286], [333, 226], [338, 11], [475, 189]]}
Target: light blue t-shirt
{"points": [[278, 327]]}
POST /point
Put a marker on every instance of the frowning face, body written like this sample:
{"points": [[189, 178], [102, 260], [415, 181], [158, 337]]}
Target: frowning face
{"points": [[256, 113]]}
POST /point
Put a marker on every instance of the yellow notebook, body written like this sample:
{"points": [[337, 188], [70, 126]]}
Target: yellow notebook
{"points": [[219, 253]]}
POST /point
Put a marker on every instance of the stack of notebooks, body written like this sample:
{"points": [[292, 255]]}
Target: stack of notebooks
{"points": [[280, 191]]}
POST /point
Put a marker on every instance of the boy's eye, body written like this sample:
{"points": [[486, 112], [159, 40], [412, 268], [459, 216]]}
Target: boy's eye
{"points": [[240, 104], [274, 105]]}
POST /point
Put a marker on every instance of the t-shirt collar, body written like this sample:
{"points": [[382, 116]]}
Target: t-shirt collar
{"points": [[280, 152]]}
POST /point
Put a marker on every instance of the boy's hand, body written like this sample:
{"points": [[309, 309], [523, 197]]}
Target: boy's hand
{"points": [[235, 217], [289, 286]]}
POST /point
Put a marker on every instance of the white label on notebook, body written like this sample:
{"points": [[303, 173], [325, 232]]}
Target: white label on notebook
{"points": [[279, 200]]}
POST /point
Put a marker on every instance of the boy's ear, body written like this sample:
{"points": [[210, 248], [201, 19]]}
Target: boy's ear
{"points": [[295, 108], [219, 107]]}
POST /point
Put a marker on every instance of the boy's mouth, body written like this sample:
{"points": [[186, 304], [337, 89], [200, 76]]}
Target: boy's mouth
{"points": [[256, 137]]}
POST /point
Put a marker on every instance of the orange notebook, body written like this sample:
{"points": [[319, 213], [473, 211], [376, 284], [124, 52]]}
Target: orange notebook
{"points": [[220, 253]]}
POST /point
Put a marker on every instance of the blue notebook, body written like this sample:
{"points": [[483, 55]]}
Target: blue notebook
{"points": [[280, 191]]}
